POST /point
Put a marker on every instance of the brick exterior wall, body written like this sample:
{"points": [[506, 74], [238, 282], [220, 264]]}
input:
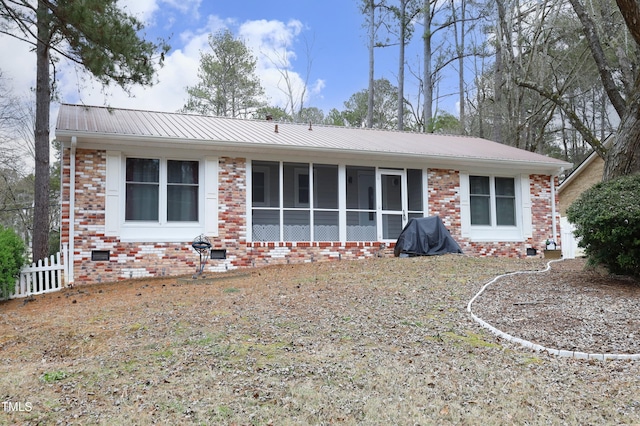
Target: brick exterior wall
{"points": [[133, 260]]}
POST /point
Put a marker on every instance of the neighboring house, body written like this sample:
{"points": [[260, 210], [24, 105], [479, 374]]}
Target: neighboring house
{"points": [[139, 186], [587, 174]]}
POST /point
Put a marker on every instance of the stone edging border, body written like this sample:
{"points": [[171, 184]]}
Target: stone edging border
{"points": [[536, 347]]}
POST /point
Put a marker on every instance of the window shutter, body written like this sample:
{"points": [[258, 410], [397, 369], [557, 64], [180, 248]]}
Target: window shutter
{"points": [[112, 194], [211, 196], [465, 206], [527, 218]]}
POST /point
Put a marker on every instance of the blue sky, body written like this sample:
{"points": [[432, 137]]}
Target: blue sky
{"points": [[275, 30]]}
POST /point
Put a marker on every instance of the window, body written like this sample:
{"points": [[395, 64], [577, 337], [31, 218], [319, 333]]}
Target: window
{"points": [[492, 201], [146, 186], [480, 200], [182, 191], [143, 189], [505, 202], [160, 199]]}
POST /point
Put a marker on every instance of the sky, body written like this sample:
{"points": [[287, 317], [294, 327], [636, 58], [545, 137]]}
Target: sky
{"points": [[327, 34]]}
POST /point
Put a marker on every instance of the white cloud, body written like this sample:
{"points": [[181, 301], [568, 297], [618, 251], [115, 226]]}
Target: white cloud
{"points": [[141, 9], [18, 65], [147, 10], [271, 41]]}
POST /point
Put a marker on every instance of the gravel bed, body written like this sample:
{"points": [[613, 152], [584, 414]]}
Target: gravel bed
{"points": [[571, 307]]}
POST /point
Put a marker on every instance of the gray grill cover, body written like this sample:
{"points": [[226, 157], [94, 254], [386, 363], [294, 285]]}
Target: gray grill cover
{"points": [[425, 236]]}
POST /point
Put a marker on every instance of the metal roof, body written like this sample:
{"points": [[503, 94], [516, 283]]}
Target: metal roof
{"points": [[91, 121]]}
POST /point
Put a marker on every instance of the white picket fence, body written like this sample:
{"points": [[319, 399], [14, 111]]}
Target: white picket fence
{"points": [[43, 276]]}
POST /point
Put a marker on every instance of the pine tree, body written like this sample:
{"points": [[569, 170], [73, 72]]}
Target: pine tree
{"points": [[228, 85], [94, 34]]}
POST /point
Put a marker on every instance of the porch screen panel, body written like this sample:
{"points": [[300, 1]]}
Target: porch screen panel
{"points": [[265, 199], [142, 189], [296, 192], [265, 183], [297, 226], [182, 191], [325, 186], [361, 203], [325, 226], [414, 192], [325, 202], [266, 225], [296, 189]]}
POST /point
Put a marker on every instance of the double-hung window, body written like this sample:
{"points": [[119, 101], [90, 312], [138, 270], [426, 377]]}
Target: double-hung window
{"points": [[160, 198], [182, 191], [492, 201], [158, 190], [142, 189]]}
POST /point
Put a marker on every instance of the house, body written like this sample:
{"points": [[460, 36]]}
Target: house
{"points": [[139, 186], [587, 174]]}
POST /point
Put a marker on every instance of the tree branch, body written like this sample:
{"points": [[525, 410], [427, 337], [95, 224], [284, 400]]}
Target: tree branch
{"points": [[593, 40], [575, 121]]}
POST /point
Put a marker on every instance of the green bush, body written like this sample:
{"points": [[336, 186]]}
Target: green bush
{"points": [[607, 219], [12, 259]]}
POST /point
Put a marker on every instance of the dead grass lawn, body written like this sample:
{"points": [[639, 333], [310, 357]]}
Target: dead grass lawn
{"points": [[380, 341]]}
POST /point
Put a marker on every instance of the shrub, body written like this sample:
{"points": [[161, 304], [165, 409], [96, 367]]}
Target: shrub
{"points": [[607, 219], [12, 259]]}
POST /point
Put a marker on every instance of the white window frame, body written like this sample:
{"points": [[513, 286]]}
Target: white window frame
{"points": [[492, 233], [161, 230]]}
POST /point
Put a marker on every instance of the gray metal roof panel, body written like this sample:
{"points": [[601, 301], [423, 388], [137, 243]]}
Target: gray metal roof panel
{"points": [[136, 123]]}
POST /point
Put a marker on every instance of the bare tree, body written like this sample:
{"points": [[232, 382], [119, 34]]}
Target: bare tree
{"points": [[294, 89]]}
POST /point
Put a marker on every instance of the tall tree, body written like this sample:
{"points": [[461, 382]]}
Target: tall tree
{"points": [[373, 22], [94, 34], [427, 78], [228, 84], [405, 13]]}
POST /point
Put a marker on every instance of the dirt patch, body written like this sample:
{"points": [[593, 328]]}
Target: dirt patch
{"points": [[378, 341]]}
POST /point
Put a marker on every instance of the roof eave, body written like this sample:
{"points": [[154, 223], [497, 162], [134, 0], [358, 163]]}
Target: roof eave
{"points": [[116, 140]]}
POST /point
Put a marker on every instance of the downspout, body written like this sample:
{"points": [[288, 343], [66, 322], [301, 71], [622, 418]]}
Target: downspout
{"points": [[72, 210], [553, 209]]}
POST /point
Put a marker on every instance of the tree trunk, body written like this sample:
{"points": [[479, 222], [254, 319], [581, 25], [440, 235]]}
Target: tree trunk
{"points": [[498, 77], [43, 100], [623, 158], [599, 56], [372, 36], [403, 31], [459, 40], [427, 85]]}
